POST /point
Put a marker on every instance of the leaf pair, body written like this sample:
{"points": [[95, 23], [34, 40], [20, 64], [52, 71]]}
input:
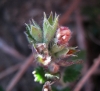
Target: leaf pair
{"points": [[36, 35]]}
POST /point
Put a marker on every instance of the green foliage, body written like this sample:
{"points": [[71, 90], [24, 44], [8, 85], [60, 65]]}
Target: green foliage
{"points": [[62, 53], [50, 19], [28, 35], [34, 32], [55, 48], [36, 25], [39, 75], [36, 35], [48, 51], [49, 27], [71, 73]]}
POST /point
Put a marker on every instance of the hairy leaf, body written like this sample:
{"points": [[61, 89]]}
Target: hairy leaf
{"points": [[28, 35], [36, 25], [36, 33], [49, 29], [71, 73], [55, 48], [50, 19], [62, 53]]}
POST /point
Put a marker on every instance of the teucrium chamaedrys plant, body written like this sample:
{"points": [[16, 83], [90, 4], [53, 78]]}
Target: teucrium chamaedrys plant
{"points": [[50, 46]]}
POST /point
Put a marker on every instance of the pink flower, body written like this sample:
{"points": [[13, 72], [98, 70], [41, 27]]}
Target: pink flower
{"points": [[63, 35]]}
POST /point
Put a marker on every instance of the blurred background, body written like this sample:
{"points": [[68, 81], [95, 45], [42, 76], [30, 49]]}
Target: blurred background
{"points": [[16, 61]]}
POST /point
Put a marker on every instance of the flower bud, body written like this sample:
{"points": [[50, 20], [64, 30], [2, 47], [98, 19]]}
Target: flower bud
{"points": [[63, 35], [53, 68], [40, 47], [45, 60]]}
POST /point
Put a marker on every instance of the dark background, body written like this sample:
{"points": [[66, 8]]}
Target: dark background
{"points": [[81, 16]]}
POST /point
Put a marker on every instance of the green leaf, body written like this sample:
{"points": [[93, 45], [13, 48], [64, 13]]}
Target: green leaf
{"points": [[47, 32], [30, 40], [70, 74], [36, 33], [49, 29], [39, 75], [36, 25], [55, 22], [62, 53], [55, 48], [50, 19], [78, 67], [28, 35]]}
